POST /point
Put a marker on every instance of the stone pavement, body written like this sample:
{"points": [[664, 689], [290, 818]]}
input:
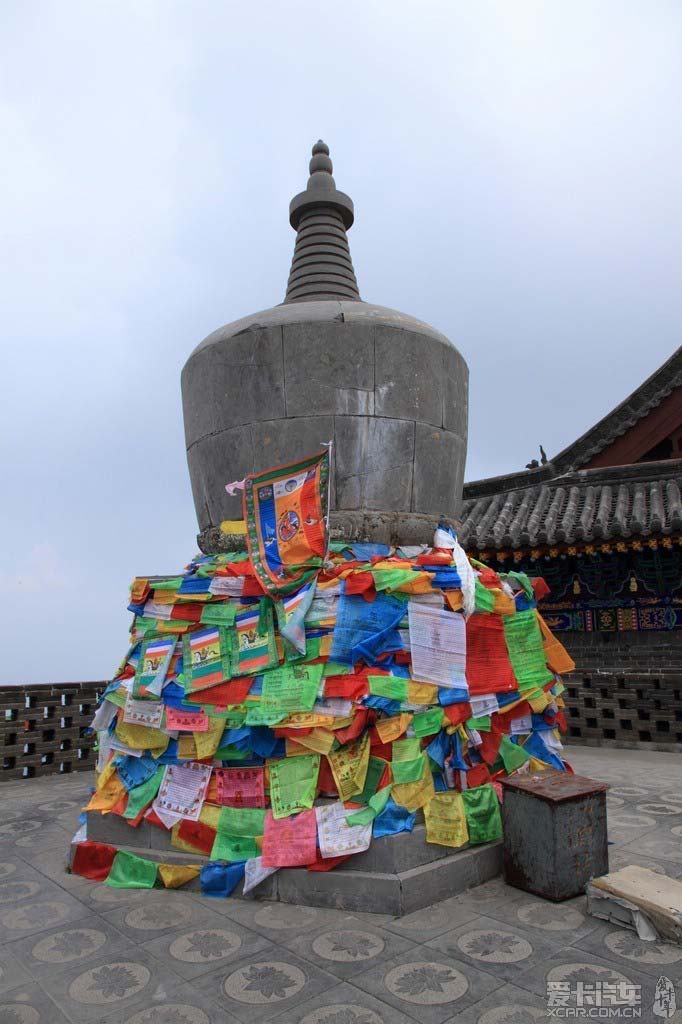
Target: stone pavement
{"points": [[73, 950]]}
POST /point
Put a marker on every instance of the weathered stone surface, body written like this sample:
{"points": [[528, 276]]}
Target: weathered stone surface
{"points": [[430, 883], [276, 442], [455, 393], [329, 368], [371, 892], [229, 385], [439, 462], [398, 853], [373, 463], [391, 528], [213, 462], [409, 376], [111, 828]]}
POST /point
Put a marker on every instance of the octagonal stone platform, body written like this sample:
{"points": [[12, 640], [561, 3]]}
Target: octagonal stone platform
{"points": [[396, 875]]}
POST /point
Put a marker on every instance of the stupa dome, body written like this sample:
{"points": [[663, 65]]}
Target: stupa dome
{"points": [[389, 390]]}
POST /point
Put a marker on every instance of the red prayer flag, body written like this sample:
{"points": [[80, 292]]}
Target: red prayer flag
{"points": [[197, 834], [93, 860], [290, 842], [488, 668]]}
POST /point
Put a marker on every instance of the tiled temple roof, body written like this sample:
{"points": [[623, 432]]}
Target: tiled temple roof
{"points": [[541, 508]]}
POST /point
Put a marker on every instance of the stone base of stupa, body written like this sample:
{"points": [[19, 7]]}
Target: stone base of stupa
{"points": [[396, 875], [364, 526]]}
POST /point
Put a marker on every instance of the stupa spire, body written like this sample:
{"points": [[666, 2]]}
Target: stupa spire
{"points": [[321, 267]]}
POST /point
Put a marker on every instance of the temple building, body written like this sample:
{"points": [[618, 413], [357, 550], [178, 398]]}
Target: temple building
{"points": [[602, 524]]}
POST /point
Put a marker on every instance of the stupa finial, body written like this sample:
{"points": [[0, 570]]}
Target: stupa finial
{"points": [[321, 267]]}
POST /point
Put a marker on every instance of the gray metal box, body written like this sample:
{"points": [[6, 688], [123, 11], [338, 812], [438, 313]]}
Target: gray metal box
{"points": [[555, 838]]}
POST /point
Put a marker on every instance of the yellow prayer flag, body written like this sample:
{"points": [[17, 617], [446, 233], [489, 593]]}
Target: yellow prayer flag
{"points": [[504, 604], [234, 526], [421, 584], [413, 795], [141, 737], [174, 876], [320, 741], [454, 599], [557, 657], [349, 767], [207, 742], [539, 703], [421, 693], [106, 774], [390, 729], [187, 750], [210, 814], [446, 822], [137, 590], [107, 797]]}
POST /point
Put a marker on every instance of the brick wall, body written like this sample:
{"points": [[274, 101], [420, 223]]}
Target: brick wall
{"points": [[626, 690], [43, 728]]}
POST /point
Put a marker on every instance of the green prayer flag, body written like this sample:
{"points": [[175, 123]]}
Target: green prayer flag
{"points": [[524, 644], [406, 750], [234, 848], [231, 753], [428, 722], [375, 770], [391, 579], [512, 755], [173, 583], [483, 814], [219, 614], [140, 796], [335, 668], [484, 598], [375, 806], [392, 687], [481, 724], [523, 581], [290, 689], [129, 871], [293, 784], [242, 821], [408, 771]]}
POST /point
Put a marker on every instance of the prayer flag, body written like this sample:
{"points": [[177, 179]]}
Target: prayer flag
{"points": [[289, 842], [129, 871], [335, 836], [293, 784], [174, 876], [205, 658], [256, 648], [446, 822], [220, 880], [483, 814], [437, 645], [240, 787], [93, 860], [286, 512], [526, 653], [349, 766]]}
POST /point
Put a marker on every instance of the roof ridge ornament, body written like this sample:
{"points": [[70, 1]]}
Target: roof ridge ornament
{"points": [[321, 267]]}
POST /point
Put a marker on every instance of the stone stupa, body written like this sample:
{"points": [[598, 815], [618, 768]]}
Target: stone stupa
{"points": [[389, 390]]}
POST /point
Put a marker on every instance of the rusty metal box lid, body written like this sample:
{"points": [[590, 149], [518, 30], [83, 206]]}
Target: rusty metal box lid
{"points": [[554, 787]]}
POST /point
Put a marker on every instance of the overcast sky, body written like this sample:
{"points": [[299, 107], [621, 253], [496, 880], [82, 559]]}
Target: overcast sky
{"points": [[516, 173]]}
